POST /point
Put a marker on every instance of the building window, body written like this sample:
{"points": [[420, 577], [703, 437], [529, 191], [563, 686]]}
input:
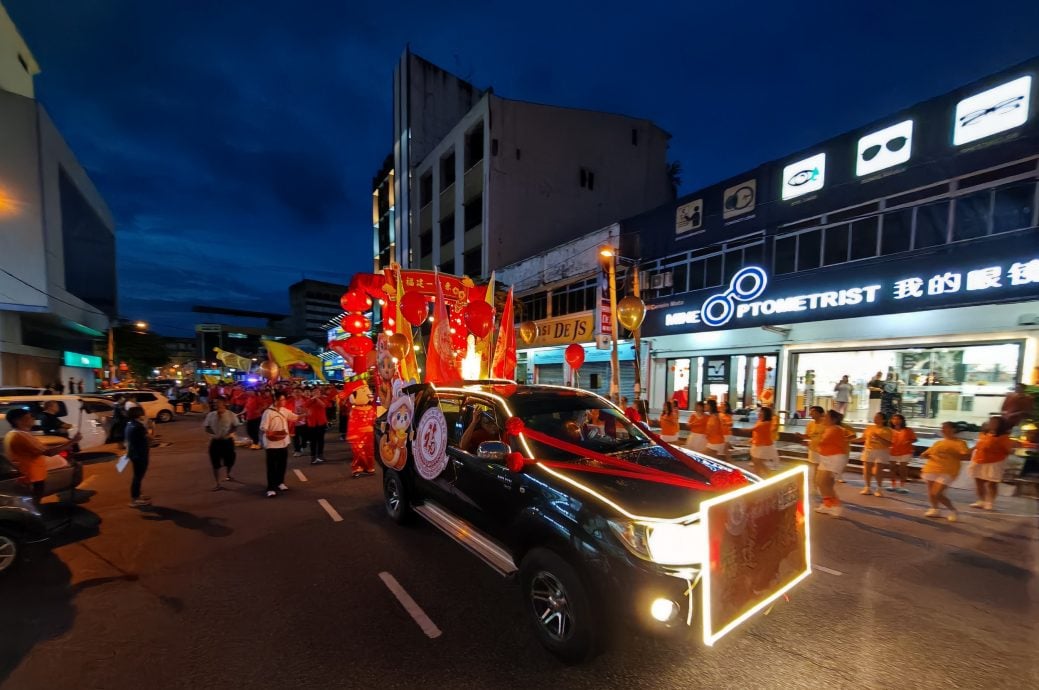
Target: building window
{"points": [[971, 216], [535, 306], [425, 185], [634, 137], [474, 212], [931, 225], [474, 146], [864, 238], [517, 154], [835, 245], [898, 232], [472, 264], [786, 255], [586, 179], [425, 243], [809, 249], [447, 229], [447, 171], [494, 147], [447, 267], [23, 63], [1013, 207]]}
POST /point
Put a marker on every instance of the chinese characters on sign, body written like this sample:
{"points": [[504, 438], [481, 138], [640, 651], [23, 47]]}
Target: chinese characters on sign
{"points": [[1019, 273]]}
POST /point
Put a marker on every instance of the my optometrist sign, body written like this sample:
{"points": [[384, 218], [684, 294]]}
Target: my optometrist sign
{"points": [[741, 303]]}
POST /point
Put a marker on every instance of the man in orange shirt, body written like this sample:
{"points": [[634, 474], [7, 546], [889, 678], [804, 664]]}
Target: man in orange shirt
{"points": [[27, 453]]}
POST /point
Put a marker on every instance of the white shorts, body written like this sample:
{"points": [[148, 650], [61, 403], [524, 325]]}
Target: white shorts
{"points": [[989, 471], [938, 478], [670, 438], [697, 442], [833, 463], [902, 459], [716, 447], [768, 454], [880, 456]]}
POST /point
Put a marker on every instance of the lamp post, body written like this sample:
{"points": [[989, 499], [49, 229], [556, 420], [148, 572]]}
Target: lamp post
{"points": [[141, 326], [630, 314], [610, 255]]}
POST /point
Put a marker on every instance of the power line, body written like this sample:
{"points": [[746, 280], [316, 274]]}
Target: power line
{"points": [[54, 297]]}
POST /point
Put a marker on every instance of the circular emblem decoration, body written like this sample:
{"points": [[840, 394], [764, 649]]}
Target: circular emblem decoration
{"points": [[430, 444]]}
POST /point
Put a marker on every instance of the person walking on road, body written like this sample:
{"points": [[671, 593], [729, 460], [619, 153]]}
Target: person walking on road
{"points": [[763, 453], [876, 453], [988, 461], [811, 437], [833, 457], [714, 430], [138, 450], [726, 418], [275, 426], [902, 440], [27, 453], [1017, 405], [254, 407], [221, 424], [669, 422], [842, 395], [697, 424], [317, 425], [941, 469]]}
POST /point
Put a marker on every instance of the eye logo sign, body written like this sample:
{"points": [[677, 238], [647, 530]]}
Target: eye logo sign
{"points": [[739, 199], [884, 148], [804, 177], [996, 110], [689, 216], [746, 286]]}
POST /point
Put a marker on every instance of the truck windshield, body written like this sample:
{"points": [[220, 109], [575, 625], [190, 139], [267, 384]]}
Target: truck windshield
{"points": [[583, 421]]}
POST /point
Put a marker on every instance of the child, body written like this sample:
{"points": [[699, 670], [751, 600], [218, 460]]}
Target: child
{"points": [[876, 452], [902, 440], [833, 457], [762, 449], [943, 464], [697, 440]]}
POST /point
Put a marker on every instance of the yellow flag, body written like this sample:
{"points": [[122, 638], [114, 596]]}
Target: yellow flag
{"points": [[484, 345], [287, 355], [230, 359], [211, 379], [408, 365]]}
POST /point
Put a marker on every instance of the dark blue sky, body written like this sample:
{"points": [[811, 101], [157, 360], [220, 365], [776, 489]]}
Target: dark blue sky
{"points": [[235, 141]]}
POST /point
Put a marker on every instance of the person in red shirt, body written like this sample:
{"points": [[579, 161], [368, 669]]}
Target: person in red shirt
{"points": [[317, 423], [630, 411], [254, 407]]}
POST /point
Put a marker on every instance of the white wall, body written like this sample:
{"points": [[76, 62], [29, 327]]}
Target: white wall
{"points": [[13, 75], [569, 260]]}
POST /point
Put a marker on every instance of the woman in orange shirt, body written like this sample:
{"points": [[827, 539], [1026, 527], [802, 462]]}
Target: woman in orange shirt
{"points": [[763, 451], [669, 422], [697, 440], [876, 452], [832, 454], [27, 453], [902, 440], [988, 460], [726, 417], [715, 430]]}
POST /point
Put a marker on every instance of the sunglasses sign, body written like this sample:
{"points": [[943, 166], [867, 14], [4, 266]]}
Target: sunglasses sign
{"points": [[884, 148], [990, 112]]}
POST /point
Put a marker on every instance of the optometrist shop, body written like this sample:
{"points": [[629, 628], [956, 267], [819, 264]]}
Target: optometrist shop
{"points": [[938, 337]]}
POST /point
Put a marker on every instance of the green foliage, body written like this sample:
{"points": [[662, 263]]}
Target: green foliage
{"points": [[142, 351]]}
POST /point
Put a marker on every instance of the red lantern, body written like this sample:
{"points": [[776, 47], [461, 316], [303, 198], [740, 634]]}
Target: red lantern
{"points": [[355, 324], [414, 308], [574, 355], [355, 346], [478, 318], [356, 301], [370, 360], [339, 347]]}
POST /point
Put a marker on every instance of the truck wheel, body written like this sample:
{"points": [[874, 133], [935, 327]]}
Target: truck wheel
{"points": [[396, 498], [558, 606], [10, 550]]}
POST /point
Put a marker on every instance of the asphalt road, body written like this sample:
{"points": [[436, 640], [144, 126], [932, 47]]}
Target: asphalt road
{"points": [[229, 589]]}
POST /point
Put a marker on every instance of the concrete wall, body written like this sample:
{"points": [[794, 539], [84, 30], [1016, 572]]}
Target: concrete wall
{"points": [[535, 199], [571, 260], [17, 66]]}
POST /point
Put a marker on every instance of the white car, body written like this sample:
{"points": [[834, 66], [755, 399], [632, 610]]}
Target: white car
{"points": [[89, 415], [156, 405]]}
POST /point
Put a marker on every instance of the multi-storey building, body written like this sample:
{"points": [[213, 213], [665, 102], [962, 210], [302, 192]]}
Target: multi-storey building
{"points": [[313, 303]]}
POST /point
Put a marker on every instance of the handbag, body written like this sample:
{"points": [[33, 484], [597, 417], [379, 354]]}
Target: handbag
{"points": [[277, 434]]}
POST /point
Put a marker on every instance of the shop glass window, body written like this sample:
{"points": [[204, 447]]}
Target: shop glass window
{"points": [[835, 246], [786, 255], [809, 246], [712, 271], [1013, 207], [679, 276], [931, 225], [864, 238], [897, 233], [970, 219]]}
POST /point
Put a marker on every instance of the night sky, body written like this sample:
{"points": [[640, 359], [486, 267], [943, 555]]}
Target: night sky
{"points": [[235, 141]]}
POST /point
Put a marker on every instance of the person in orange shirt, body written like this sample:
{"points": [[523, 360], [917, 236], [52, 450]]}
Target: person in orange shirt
{"points": [[943, 465], [763, 451], [876, 453], [988, 461], [714, 430], [697, 440], [902, 440], [669, 422], [833, 457], [27, 453], [726, 417]]}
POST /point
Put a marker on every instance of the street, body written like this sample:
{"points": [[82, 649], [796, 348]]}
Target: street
{"points": [[229, 589]]}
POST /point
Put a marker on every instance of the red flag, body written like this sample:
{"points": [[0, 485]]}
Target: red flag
{"points": [[503, 366], [442, 366]]}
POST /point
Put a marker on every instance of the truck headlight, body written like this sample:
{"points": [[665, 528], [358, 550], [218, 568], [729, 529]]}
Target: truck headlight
{"points": [[666, 543]]}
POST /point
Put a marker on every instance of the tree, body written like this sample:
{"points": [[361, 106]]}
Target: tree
{"points": [[674, 175], [141, 350]]}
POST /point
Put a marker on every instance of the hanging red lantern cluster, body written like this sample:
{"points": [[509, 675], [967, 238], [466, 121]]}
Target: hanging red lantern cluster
{"points": [[355, 301], [356, 324], [359, 345]]}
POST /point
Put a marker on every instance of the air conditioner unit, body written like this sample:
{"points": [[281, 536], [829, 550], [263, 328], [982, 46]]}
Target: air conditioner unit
{"points": [[667, 278], [656, 282]]}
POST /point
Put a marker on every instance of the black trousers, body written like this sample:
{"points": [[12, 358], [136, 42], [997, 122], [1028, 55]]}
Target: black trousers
{"points": [[252, 427], [222, 453], [317, 441], [140, 467], [299, 438], [277, 462]]}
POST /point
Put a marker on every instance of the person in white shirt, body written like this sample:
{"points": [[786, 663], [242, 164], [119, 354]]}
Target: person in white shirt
{"points": [[275, 429]]}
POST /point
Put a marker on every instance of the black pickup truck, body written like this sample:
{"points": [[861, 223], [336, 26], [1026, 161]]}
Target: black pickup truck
{"points": [[599, 519]]}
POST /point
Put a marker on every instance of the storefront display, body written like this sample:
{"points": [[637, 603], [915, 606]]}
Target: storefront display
{"points": [[742, 381]]}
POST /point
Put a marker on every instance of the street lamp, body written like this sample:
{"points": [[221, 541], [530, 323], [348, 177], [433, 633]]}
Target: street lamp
{"points": [[141, 326], [610, 255], [629, 313]]}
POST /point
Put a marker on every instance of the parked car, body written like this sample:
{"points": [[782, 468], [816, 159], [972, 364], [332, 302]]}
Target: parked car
{"points": [[156, 405], [22, 390], [600, 522], [21, 523], [89, 415]]}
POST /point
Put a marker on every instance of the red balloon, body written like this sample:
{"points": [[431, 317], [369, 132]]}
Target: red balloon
{"points": [[354, 346], [478, 318], [339, 347], [356, 301], [574, 355], [355, 324], [414, 308]]}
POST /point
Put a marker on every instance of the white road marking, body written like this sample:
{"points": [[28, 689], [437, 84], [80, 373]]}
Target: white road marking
{"points": [[829, 571], [332, 512], [416, 612], [299, 475]]}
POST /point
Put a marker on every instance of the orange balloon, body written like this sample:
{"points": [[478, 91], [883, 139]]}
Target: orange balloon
{"points": [[631, 312], [528, 330], [398, 345]]}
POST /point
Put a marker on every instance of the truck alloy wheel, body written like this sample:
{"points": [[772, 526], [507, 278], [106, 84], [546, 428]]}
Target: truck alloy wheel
{"points": [[8, 551], [558, 605]]}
